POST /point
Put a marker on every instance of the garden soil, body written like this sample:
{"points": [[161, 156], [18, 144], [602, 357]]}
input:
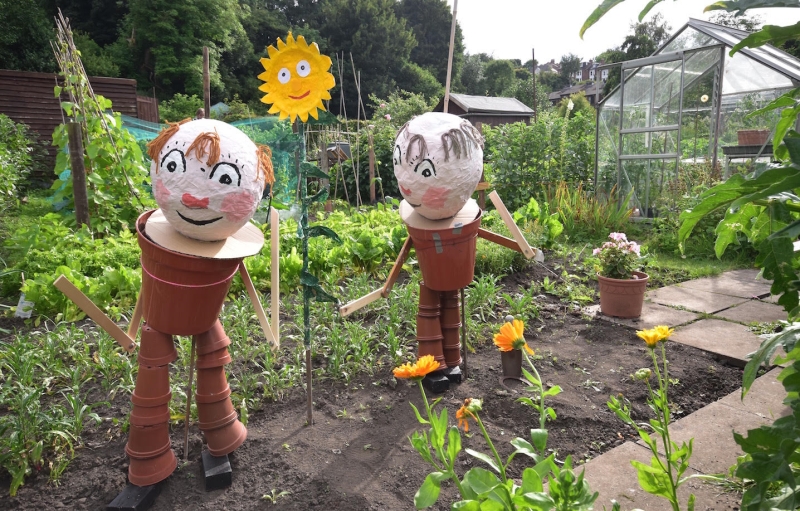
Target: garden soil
{"points": [[357, 457]]}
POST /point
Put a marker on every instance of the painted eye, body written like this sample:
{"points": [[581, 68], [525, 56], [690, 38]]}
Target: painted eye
{"points": [[174, 161], [226, 174], [303, 68], [426, 168], [396, 155], [284, 75]]}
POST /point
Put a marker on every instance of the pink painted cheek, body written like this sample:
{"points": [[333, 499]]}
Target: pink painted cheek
{"points": [[162, 194], [238, 206], [435, 198]]}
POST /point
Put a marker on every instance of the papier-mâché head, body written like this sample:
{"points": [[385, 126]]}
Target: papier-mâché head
{"points": [[438, 159], [208, 177]]}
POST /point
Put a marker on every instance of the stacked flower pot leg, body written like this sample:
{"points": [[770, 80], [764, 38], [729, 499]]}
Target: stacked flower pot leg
{"points": [[151, 458], [429, 329], [217, 418], [451, 327]]}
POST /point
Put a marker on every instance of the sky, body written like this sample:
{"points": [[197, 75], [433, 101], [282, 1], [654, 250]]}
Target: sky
{"points": [[508, 29]]}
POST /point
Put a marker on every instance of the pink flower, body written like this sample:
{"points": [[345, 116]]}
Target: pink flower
{"points": [[383, 105], [388, 117], [618, 236], [595, 251]]}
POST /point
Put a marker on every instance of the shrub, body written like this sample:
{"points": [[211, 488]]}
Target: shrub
{"points": [[180, 107], [16, 160]]}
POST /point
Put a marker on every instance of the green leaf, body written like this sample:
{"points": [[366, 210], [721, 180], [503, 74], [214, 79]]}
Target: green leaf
{"points": [[531, 481], [320, 196], [650, 5], [598, 13], [775, 257], [312, 170], [769, 34], [453, 444], [787, 339], [652, 478], [321, 230], [710, 200], [428, 493], [419, 417], [484, 458], [771, 182], [480, 480], [539, 439], [466, 505]]}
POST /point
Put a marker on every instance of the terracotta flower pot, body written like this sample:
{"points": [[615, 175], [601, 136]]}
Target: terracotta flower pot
{"points": [[215, 415], [446, 257], [152, 386], [212, 340], [226, 439], [153, 470], [622, 298], [156, 348], [212, 382], [182, 294], [217, 358], [146, 442], [752, 137], [149, 416], [511, 362]]}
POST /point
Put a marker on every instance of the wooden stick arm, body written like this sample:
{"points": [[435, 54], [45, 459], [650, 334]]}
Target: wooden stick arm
{"points": [[93, 311], [522, 243], [349, 308], [262, 316]]}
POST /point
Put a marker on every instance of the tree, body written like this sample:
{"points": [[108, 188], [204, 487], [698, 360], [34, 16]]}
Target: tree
{"points": [[430, 21], [25, 34], [378, 40], [473, 80], [570, 64], [167, 38], [748, 23], [500, 77]]}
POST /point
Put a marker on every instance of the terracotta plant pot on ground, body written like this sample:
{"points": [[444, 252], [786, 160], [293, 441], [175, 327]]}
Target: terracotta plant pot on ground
{"points": [[622, 298]]}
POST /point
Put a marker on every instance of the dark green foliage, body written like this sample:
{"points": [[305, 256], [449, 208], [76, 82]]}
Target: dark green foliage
{"points": [[16, 160], [378, 40], [25, 34], [96, 60], [430, 21], [499, 77], [180, 107]]}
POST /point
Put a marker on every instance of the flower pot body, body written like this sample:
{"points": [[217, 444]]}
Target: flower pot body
{"points": [[752, 137], [156, 348], [144, 472], [181, 294], [622, 298], [511, 361], [447, 256]]}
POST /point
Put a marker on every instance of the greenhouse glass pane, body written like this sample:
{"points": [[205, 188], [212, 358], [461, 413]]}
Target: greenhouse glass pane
{"points": [[743, 74], [735, 114], [689, 38], [637, 98], [656, 143], [666, 93], [607, 138], [649, 180]]}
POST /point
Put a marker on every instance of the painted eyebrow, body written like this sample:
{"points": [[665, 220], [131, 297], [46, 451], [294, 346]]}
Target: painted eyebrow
{"points": [[235, 167]]}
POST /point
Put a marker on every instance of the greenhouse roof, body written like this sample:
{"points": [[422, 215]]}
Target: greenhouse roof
{"points": [[474, 104]]}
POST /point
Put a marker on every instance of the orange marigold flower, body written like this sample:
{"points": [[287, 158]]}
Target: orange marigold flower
{"points": [[651, 337], [511, 338], [664, 332], [463, 414], [419, 369]]}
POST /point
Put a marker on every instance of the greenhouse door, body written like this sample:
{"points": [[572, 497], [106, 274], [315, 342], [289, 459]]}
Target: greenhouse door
{"points": [[651, 95]]}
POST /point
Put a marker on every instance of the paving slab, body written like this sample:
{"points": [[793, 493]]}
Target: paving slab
{"points": [[654, 314], [615, 478], [753, 311], [712, 427], [746, 274], [734, 283], [693, 299], [765, 397], [731, 341]]}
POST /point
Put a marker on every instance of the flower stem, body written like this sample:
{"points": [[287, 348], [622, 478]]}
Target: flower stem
{"points": [[491, 446], [542, 414]]}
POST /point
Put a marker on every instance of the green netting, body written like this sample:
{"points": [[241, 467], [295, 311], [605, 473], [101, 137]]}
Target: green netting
{"points": [[270, 131]]}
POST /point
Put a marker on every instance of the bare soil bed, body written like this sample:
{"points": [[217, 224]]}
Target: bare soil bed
{"points": [[357, 455]]}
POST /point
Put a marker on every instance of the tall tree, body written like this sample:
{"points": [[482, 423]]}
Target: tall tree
{"points": [[473, 80], [25, 34], [379, 41], [430, 21], [570, 64], [645, 39], [500, 78], [167, 39]]}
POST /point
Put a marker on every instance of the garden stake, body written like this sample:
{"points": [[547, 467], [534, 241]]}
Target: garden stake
{"points": [[464, 331], [189, 401]]}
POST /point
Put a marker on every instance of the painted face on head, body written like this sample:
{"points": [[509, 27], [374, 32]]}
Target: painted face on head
{"points": [[206, 179], [438, 159]]}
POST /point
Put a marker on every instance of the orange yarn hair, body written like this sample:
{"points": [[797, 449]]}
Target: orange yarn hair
{"points": [[155, 146], [206, 142], [265, 169]]}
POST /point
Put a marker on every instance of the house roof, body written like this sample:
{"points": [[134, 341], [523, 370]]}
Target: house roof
{"points": [[486, 104]]}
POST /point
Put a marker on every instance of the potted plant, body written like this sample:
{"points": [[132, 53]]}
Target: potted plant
{"points": [[621, 286]]}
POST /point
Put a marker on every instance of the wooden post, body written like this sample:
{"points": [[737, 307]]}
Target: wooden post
{"points": [[450, 57], [325, 167], [371, 167], [533, 74], [275, 264], [206, 84], [78, 174], [189, 401], [481, 189]]}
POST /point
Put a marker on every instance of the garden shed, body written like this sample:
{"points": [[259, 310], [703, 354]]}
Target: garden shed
{"points": [[487, 110], [687, 104]]}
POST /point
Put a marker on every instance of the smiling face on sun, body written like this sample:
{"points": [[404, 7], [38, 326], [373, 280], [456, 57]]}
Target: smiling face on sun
{"points": [[297, 79], [438, 159], [208, 178]]}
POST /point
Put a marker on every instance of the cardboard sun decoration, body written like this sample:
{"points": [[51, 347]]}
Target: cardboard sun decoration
{"points": [[208, 177], [297, 79], [438, 159]]}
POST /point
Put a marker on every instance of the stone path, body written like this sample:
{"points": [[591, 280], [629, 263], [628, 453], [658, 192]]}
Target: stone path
{"points": [[703, 312]]}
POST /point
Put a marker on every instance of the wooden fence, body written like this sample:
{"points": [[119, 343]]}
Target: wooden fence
{"points": [[28, 98]]}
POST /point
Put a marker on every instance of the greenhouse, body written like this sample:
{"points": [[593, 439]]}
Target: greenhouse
{"points": [[688, 105]]}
